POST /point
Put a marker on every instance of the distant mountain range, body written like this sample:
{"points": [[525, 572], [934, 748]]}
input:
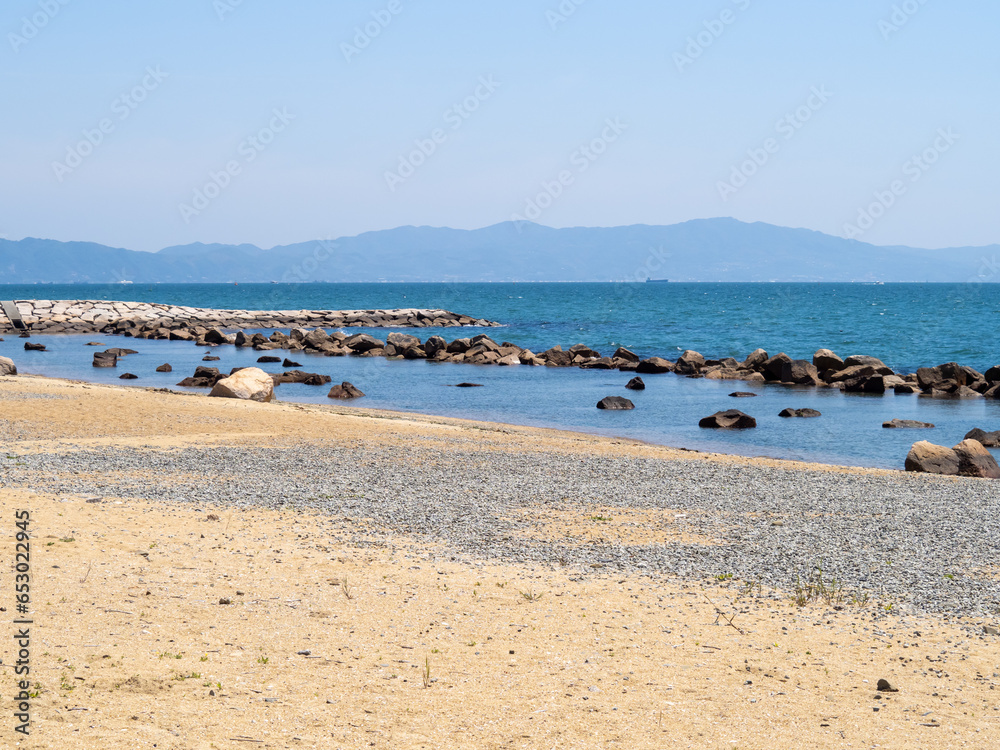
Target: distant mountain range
{"points": [[699, 250]]}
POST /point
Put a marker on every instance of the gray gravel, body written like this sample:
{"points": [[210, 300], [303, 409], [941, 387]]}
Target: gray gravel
{"points": [[897, 538]]}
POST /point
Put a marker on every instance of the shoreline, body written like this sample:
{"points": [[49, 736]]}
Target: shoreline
{"points": [[209, 569]]}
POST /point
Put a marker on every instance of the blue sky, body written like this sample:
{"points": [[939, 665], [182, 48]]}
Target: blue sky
{"points": [[311, 119]]}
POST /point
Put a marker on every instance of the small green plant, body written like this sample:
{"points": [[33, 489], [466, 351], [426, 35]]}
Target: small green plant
{"points": [[168, 655], [472, 643], [600, 519], [427, 672], [531, 596], [724, 577], [818, 588], [204, 658], [262, 659], [435, 651], [67, 539]]}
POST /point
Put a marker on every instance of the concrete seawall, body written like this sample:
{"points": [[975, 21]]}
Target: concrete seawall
{"points": [[91, 316]]}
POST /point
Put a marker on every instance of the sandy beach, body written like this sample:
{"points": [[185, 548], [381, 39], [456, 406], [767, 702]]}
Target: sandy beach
{"points": [[210, 573]]}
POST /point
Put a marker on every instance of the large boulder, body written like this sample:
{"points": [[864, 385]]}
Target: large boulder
{"points": [[215, 336], [863, 384], [204, 377], [824, 359], [947, 377], [7, 367], [362, 342], [992, 375], [582, 350], [629, 356], [863, 359], [772, 368], [165, 367], [556, 357], [636, 384], [800, 372], [345, 391], [731, 419], [907, 424], [249, 384], [988, 439], [434, 345], [402, 341], [689, 363], [459, 346], [756, 360], [32, 347], [654, 366], [975, 461], [932, 459], [104, 359], [615, 403]]}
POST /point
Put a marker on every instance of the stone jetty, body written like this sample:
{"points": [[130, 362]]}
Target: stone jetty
{"points": [[92, 316]]}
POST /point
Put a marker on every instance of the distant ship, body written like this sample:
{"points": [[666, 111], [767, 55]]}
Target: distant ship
{"points": [[650, 281]]}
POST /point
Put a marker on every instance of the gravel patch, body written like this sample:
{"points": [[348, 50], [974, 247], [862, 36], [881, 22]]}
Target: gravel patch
{"points": [[924, 543]]}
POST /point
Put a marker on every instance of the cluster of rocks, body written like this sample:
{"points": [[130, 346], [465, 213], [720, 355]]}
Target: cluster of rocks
{"points": [[148, 320], [968, 459], [211, 377]]}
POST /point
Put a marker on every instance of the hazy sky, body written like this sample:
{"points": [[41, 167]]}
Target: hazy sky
{"points": [[161, 122]]}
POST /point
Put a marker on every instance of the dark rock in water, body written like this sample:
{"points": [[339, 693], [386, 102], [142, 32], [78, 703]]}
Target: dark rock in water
{"points": [[772, 369], [362, 342], [557, 357], [989, 439], [604, 363], [204, 377], [297, 376], [636, 384], [804, 413], [932, 459], [93, 343], [268, 358], [583, 350], [210, 358], [434, 345], [402, 341], [468, 385], [824, 359], [128, 376], [31, 347], [414, 352], [731, 419], [873, 384], [689, 363], [288, 363], [904, 388], [165, 368], [654, 366], [800, 372], [344, 391], [992, 375], [103, 359], [615, 403], [877, 364], [742, 394], [24, 335], [121, 352], [975, 461], [907, 424], [629, 356], [459, 346], [962, 391]]}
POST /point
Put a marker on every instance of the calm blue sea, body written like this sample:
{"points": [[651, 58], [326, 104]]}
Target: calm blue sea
{"points": [[907, 325]]}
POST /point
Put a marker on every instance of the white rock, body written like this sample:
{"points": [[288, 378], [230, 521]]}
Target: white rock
{"points": [[250, 384]]}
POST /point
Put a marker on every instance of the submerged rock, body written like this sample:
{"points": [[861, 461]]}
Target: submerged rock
{"points": [[742, 394], [345, 391], [907, 424], [731, 419], [615, 403], [804, 413]]}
